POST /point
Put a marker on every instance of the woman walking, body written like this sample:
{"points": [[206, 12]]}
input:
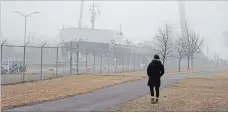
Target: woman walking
{"points": [[154, 71]]}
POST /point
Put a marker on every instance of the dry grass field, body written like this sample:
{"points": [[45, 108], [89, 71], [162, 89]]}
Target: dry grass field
{"points": [[189, 95], [57, 88]]}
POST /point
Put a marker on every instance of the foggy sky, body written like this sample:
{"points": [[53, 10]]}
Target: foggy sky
{"points": [[139, 19]]}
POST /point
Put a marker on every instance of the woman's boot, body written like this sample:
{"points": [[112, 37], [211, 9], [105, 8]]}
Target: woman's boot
{"points": [[151, 100], [156, 101]]}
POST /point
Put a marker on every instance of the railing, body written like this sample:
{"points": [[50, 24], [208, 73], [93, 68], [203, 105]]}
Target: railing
{"points": [[10, 62]]}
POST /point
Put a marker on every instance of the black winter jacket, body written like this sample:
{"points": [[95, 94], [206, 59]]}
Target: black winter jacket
{"points": [[155, 70]]}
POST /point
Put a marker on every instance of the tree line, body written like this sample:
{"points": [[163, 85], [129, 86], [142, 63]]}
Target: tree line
{"points": [[184, 46]]}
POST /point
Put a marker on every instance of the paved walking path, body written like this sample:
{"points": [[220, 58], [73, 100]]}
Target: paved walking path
{"points": [[102, 99]]}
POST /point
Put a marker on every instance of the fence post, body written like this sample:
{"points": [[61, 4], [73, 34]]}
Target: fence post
{"points": [[112, 56], [77, 57], [24, 69], [139, 62], [86, 60], [2, 50], [122, 61], [130, 59], [94, 59], [57, 60], [8, 62], [128, 62], [109, 60], [70, 71], [134, 60], [41, 62], [115, 64], [2, 53], [101, 64], [19, 65]]}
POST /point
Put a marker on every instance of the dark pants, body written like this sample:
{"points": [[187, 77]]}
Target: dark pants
{"points": [[156, 85], [152, 91]]}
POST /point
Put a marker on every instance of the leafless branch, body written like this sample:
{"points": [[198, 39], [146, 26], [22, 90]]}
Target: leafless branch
{"points": [[163, 42], [190, 44]]}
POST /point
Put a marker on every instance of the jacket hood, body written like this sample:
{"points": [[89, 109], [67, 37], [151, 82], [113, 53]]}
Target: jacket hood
{"points": [[156, 60]]}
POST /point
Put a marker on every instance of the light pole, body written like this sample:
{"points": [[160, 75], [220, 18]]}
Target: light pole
{"points": [[25, 16]]}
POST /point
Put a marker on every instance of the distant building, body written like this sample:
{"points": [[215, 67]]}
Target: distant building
{"points": [[95, 41], [91, 35], [145, 43]]}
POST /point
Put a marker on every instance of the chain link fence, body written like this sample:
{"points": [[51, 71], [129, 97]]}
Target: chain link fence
{"points": [[39, 62], [29, 62]]}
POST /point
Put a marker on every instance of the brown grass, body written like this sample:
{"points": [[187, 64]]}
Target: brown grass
{"points": [[173, 72], [128, 74], [143, 73], [17, 78], [57, 88], [198, 94], [28, 93]]}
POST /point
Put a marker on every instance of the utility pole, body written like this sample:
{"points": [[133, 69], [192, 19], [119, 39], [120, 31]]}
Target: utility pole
{"points": [[80, 16], [93, 14]]}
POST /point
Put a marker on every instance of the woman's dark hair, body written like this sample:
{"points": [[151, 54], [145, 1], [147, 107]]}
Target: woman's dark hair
{"points": [[156, 56]]}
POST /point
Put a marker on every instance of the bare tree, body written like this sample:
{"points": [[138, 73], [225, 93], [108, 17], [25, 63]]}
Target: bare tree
{"points": [[178, 53], [191, 44], [163, 42]]}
